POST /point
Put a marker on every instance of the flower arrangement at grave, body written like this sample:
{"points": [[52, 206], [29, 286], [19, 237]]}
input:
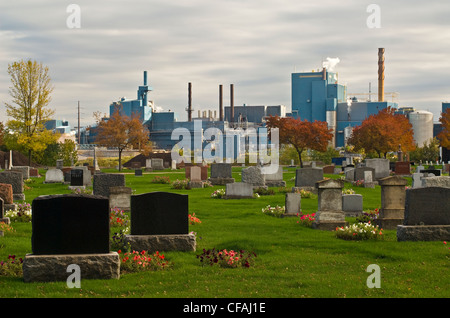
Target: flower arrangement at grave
{"points": [[218, 194], [6, 228], [276, 211], [263, 191], [135, 261], [181, 184], [161, 179], [359, 231], [369, 216], [81, 191], [193, 219], [348, 191], [207, 184], [358, 183], [305, 193], [306, 219], [118, 218], [21, 214], [227, 259], [11, 267]]}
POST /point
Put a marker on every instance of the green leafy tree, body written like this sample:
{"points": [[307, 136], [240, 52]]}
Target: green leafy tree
{"points": [[30, 92]]}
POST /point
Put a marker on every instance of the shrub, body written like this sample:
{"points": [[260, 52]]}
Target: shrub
{"points": [[276, 211], [161, 179], [306, 219], [263, 191], [181, 184], [193, 219], [368, 217], [359, 231], [118, 218], [224, 258], [6, 227], [21, 214], [11, 267], [218, 194], [131, 262]]}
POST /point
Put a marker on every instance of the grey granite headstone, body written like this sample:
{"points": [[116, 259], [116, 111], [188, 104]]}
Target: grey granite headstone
{"points": [[15, 179], [352, 204], [253, 176], [307, 177], [103, 181], [292, 204], [239, 190]]}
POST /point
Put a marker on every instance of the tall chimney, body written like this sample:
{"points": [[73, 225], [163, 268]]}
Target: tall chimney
{"points": [[145, 78], [189, 101], [220, 102], [381, 74], [231, 103]]}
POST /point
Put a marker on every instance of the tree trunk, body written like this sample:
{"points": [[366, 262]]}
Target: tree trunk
{"points": [[29, 158], [120, 159]]}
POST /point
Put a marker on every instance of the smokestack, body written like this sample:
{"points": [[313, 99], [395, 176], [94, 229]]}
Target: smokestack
{"points": [[145, 78], [381, 74], [189, 101], [231, 103], [221, 102], [324, 73]]}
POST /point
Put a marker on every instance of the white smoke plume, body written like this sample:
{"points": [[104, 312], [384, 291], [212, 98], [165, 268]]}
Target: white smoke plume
{"points": [[331, 63]]}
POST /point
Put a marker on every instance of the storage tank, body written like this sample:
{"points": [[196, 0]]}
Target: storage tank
{"points": [[422, 124]]}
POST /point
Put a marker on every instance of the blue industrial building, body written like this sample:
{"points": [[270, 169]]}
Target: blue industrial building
{"points": [[319, 96]]}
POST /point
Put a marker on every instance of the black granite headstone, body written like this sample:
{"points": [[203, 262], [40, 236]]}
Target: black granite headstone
{"points": [[436, 172], [138, 172], [159, 213], [70, 224], [427, 206], [76, 177]]}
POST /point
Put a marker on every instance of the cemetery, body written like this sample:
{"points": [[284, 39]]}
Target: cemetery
{"points": [[228, 232]]}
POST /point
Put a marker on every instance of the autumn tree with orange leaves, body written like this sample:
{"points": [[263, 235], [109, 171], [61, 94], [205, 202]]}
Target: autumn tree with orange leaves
{"points": [[444, 135], [302, 135], [123, 132], [382, 133]]}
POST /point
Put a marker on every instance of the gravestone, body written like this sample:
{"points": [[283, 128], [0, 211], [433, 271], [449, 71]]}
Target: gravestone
{"points": [[138, 172], [6, 193], [292, 204], [427, 215], [330, 214], [148, 165], [120, 197], [381, 167], [329, 169], [275, 179], [392, 202], [221, 174], [34, 172], [350, 174], [54, 176], [307, 177], [59, 164], [25, 170], [417, 179], [352, 204], [403, 168], [159, 222], [239, 190], [76, 178], [359, 173], [174, 165], [203, 172], [15, 179], [195, 177], [70, 229], [103, 181], [3, 219], [440, 181], [253, 175], [157, 164], [436, 172]]}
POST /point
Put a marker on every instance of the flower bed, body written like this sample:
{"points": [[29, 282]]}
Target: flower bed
{"points": [[359, 231], [224, 258]]}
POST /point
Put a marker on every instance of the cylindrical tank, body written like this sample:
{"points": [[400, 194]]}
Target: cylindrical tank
{"points": [[422, 124], [331, 122], [347, 133]]}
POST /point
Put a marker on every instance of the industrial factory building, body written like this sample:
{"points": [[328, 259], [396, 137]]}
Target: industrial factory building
{"points": [[315, 95]]}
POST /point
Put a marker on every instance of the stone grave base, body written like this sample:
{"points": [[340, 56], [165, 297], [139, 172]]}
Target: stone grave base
{"points": [[47, 268], [196, 184], [275, 183], [423, 232], [77, 187], [18, 197], [154, 243], [221, 181], [329, 220]]}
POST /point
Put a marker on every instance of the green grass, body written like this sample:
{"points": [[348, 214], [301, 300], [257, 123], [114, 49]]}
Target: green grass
{"points": [[292, 261]]}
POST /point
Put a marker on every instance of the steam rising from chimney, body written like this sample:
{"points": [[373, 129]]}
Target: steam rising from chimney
{"points": [[331, 63]]}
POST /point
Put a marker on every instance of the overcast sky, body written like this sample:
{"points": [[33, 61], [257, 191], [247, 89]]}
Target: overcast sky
{"points": [[253, 44]]}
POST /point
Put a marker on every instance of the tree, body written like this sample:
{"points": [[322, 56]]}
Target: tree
{"points": [[382, 133], [30, 92], [444, 135], [428, 152], [122, 132], [302, 135]]}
